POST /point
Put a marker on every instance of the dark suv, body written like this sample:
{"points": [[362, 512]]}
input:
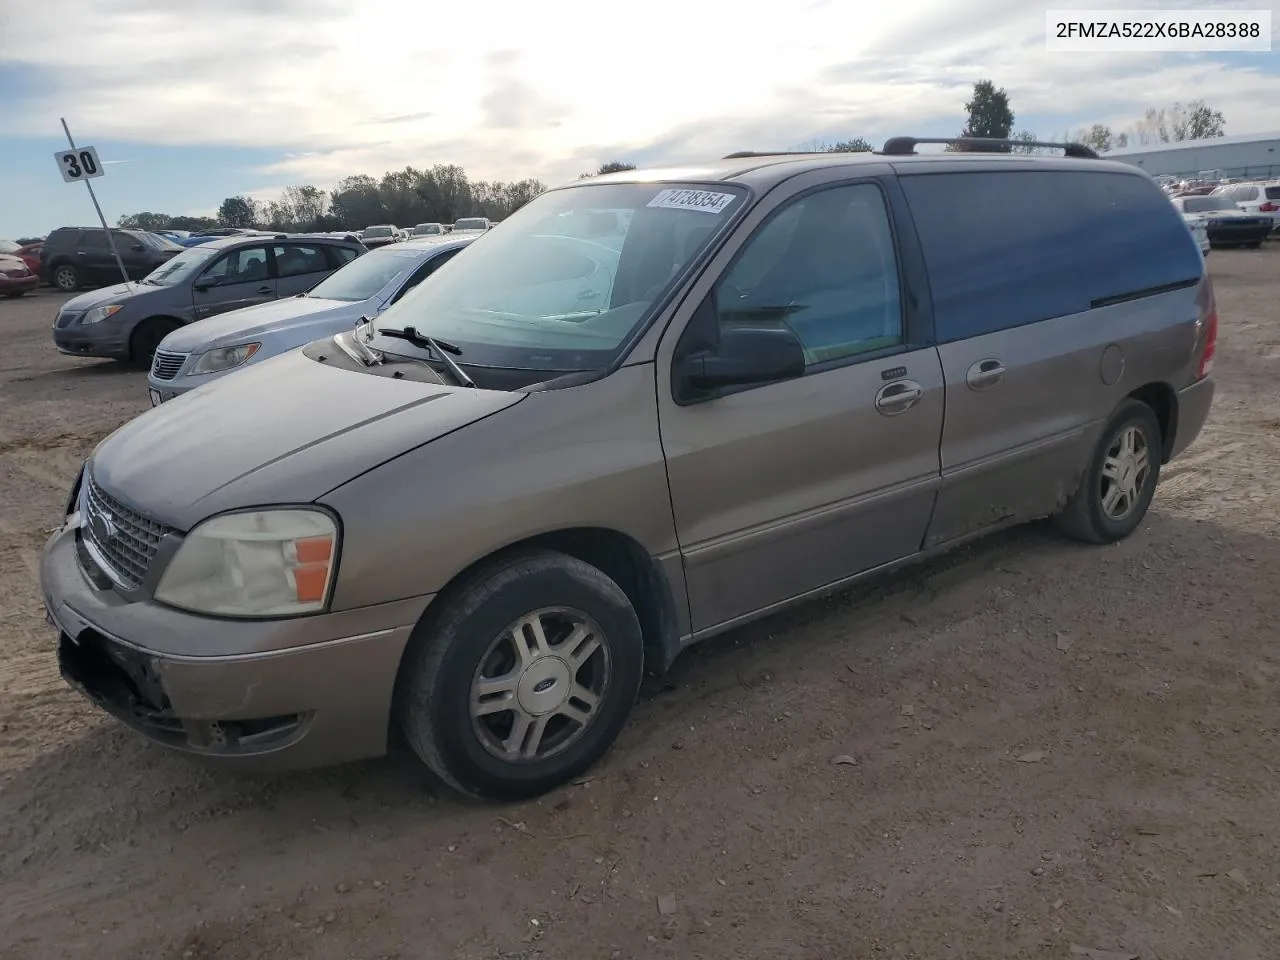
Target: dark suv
{"points": [[127, 322], [74, 257]]}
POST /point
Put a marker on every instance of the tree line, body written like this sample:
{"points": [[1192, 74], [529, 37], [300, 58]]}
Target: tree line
{"points": [[439, 194], [990, 115]]}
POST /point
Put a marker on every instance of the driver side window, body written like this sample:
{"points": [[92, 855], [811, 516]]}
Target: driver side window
{"points": [[823, 265]]}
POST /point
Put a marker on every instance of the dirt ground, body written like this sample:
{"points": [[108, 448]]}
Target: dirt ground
{"points": [[1055, 747]]}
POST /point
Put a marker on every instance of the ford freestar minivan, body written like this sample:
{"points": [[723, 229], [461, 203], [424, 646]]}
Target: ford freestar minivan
{"points": [[481, 514]]}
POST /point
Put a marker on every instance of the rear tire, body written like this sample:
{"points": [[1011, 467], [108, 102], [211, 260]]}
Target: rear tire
{"points": [[145, 338], [1254, 244], [1120, 481], [66, 278], [16, 294], [523, 679]]}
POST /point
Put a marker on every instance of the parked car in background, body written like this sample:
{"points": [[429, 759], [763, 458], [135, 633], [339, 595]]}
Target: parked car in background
{"points": [[429, 230], [228, 273], [16, 277], [74, 257], [1261, 198], [482, 516], [380, 235], [1227, 225], [471, 225], [28, 253], [202, 353]]}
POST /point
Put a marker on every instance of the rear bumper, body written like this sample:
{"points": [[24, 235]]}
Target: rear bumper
{"points": [[1193, 410], [1251, 233]]}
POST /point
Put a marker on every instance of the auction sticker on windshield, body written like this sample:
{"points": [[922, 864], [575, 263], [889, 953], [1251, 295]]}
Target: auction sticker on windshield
{"points": [[708, 201]]}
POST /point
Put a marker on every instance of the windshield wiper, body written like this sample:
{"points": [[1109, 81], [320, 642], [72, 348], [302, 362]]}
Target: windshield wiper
{"points": [[442, 347]]}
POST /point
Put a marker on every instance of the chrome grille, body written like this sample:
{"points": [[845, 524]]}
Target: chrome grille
{"points": [[123, 538], [67, 319], [166, 365]]}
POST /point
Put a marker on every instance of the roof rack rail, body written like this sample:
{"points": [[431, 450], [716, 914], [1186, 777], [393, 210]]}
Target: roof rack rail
{"points": [[906, 146], [744, 154]]}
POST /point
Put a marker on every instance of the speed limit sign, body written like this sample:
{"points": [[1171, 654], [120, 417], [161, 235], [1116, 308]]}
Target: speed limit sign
{"points": [[80, 163]]}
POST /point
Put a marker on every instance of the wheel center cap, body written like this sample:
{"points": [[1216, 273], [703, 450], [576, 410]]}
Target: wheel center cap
{"points": [[544, 686]]}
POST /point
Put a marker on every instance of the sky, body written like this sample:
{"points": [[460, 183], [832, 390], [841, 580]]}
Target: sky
{"points": [[189, 103]]}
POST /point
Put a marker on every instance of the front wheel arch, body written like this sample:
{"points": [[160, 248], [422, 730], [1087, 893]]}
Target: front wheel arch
{"points": [[141, 333], [619, 557]]}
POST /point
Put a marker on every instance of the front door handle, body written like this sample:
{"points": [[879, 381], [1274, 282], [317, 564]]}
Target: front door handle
{"points": [[898, 397], [985, 374], [265, 290]]}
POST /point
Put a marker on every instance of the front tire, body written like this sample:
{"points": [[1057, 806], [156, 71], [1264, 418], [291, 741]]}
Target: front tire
{"points": [[1121, 479], [66, 278], [524, 678], [145, 338]]}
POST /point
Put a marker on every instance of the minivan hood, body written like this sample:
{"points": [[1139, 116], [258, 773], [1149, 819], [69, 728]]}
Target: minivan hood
{"points": [[113, 294], [287, 430], [239, 326]]}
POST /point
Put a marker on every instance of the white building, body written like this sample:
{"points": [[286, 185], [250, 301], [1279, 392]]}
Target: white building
{"points": [[1255, 156]]}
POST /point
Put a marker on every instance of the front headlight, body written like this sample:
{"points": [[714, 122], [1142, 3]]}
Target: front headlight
{"points": [[224, 358], [260, 563], [98, 314]]}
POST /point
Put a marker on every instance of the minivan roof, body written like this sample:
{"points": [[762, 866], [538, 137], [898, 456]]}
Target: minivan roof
{"points": [[773, 167]]}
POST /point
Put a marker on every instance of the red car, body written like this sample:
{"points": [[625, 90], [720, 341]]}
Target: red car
{"points": [[30, 255], [16, 277]]}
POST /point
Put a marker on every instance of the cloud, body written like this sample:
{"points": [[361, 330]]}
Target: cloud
{"points": [[511, 89]]}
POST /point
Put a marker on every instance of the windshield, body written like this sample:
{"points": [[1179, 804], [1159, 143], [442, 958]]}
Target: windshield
{"points": [[428, 230], [365, 275], [189, 262], [569, 277], [471, 224], [374, 232], [8, 246]]}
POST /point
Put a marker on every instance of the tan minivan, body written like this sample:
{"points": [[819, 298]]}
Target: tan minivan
{"points": [[647, 408]]}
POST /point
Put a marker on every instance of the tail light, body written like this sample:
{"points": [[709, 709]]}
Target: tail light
{"points": [[1268, 207], [1206, 327]]}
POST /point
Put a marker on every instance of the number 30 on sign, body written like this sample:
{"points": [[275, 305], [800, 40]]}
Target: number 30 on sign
{"points": [[82, 163]]}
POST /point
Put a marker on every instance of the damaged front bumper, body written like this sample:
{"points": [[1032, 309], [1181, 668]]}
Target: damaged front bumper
{"points": [[280, 694]]}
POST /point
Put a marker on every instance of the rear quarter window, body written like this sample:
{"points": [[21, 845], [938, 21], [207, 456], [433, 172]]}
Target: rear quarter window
{"points": [[1007, 249], [1273, 193]]}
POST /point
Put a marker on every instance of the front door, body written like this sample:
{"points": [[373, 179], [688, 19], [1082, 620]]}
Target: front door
{"points": [[781, 489], [237, 279], [139, 259], [94, 259]]}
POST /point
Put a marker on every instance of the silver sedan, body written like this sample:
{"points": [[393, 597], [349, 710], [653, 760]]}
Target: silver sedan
{"points": [[203, 352]]}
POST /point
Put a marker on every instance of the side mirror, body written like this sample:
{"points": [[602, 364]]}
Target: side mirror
{"points": [[746, 355], [205, 283]]}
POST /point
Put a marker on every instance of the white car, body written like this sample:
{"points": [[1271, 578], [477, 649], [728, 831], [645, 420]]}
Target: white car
{"points": [[1262, 197], [1226, 224], [204, 352]]}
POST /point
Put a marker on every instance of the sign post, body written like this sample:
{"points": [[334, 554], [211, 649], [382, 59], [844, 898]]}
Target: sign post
{"points": [[82, 163]]}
